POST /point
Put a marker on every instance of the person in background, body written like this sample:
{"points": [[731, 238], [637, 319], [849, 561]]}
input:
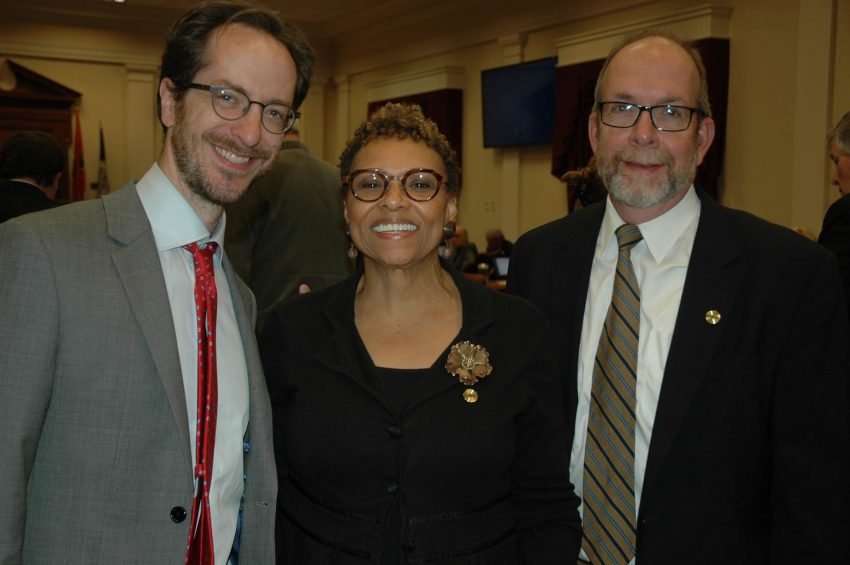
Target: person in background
{"points": [[835, 234], [462, 253], [584, 186], [136, 419], [417, 415], [497, 245], [288, 230], [31, 163], [703, 350]]}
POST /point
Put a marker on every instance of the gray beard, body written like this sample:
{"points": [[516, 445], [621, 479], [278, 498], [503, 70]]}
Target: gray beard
{"points": [[638, 193], [191, 172]]}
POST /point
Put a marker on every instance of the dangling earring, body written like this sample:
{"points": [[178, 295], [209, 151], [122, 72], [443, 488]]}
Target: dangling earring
{"points": [[352, 251], [448, 232]]}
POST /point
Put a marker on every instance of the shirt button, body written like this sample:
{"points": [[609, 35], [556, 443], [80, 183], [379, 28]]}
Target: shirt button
{"points": [[392, 488], [178, 514], [394, 431]]}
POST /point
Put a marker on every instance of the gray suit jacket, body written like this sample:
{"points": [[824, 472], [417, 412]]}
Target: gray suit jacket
{"points": [[96, 455]]}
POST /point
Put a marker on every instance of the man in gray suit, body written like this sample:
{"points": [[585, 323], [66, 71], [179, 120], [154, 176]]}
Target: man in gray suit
{"points": [[99, 344]]}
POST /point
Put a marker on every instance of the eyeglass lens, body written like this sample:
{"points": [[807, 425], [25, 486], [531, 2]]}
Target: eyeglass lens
{"points": [[418, 185], [666, 118], [232, 105]]}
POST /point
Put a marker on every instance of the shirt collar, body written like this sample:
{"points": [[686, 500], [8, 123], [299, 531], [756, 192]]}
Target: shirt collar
{"points": [[173, 221], [661, 233]]}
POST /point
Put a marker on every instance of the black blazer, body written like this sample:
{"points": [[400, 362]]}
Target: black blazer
{"points": [[19, 198], [835, 236], [748, 461], [475, 483]]}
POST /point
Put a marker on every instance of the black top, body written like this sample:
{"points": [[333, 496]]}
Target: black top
{"points": [[399, 386], [835, 236], [484, 482], [19, 198]]}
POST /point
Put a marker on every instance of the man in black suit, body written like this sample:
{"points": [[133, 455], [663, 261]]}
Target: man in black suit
{"points": [[739, 448], [31, 163], [835, 234]]}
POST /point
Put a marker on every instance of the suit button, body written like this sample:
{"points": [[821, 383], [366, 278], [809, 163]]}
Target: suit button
{"points": [[408, 547], [178, 514], [392, 488], [394, 431]]}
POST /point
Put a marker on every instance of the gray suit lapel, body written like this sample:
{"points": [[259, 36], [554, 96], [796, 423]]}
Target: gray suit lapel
{"points": [[140, 271]]}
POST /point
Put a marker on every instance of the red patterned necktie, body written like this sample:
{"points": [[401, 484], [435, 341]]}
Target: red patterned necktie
{"points": [[200, 546]]}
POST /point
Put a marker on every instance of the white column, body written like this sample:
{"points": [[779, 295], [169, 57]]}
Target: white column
{"points": [[312, 121], [142, 138], [343, 116], [810, 112]]}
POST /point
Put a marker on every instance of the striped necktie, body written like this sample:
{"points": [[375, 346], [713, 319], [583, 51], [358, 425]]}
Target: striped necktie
{"points": [[609, 459]]}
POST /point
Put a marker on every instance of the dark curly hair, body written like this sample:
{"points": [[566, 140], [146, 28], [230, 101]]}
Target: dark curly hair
{"points": [[402, 121], [187, 42]]}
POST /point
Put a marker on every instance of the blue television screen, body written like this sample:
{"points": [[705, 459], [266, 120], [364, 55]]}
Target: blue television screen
{"points": [[519, 103]]}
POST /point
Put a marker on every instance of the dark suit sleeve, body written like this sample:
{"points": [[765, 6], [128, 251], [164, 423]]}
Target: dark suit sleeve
{"points": [[835, 236], [547, 507], [809, 427], [244, 222], [29, 322]]}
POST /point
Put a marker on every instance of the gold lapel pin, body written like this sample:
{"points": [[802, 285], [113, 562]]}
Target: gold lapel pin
{"points": [[712, 317]]}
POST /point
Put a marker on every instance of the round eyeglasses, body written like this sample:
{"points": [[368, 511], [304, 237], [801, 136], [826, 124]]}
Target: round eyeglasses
{"points": [[370, 185], [230, 104], [664, 117]]}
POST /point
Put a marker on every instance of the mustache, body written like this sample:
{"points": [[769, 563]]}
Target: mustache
{"points": [[646, 156], [234, 146]]}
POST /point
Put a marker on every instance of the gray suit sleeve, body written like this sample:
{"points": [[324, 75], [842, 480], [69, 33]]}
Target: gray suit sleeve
{"points": [[29, 322]]}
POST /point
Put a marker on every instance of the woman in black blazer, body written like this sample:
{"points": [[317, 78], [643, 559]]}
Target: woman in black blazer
{"points": [[417, 415]]}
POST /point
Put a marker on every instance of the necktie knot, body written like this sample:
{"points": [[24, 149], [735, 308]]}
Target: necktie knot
{"points": [[205, 251], [628, 236], [202, 257]]}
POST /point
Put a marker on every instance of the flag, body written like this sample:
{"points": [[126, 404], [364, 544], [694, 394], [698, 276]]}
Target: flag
{"points": [[102, 178], [78, 172]]}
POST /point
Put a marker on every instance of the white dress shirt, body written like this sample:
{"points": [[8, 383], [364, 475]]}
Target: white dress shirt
{"points": [[175, 224], [660, 262]]}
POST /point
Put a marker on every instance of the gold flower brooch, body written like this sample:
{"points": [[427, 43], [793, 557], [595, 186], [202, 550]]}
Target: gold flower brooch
{"points": [[469, 363]]}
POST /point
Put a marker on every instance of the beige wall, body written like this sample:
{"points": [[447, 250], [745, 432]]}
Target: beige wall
{"points": [[116, 75], [785, 92]]}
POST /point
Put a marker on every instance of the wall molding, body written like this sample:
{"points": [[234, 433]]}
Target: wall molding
{"points": [[426, 80], [699, 22], [78, 54]]}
